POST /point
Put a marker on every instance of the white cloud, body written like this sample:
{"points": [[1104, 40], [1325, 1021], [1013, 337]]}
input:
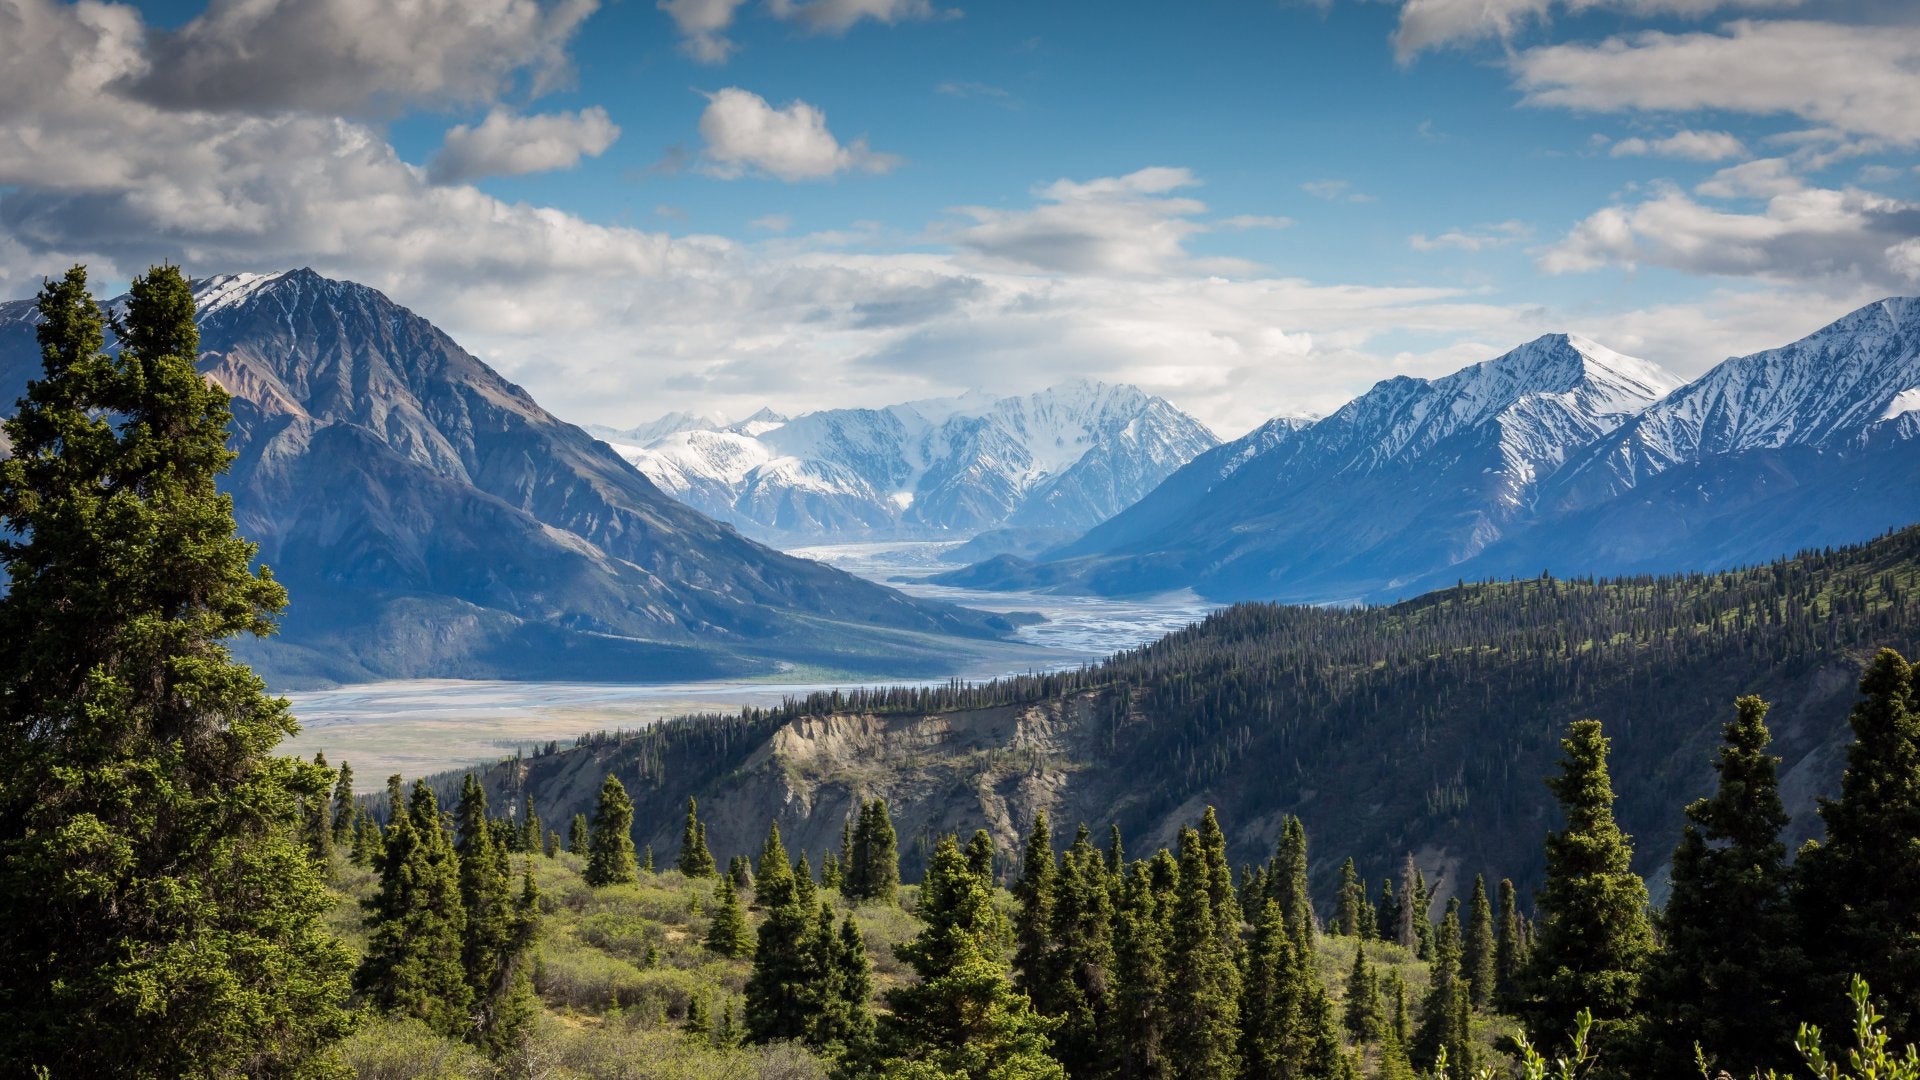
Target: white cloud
{"points": [[1803, 235], [1115, 225], [1245, 222], [358, 56], [744, 135], [773, 223], [1759, 179], [1686, 145], [1857, 80], [702, 25], [508, 145], [1335, 191], [1478, 238], [1428, 24], [837, 16]]}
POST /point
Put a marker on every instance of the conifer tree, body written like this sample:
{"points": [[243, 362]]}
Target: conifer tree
{"points": [[532, 831], [1353, 897], [1422, 914], [875, 870], [577, 835], [493, 919], [343, 806], [1290, 881], [830, 871], [773, 877], [740, 868], [727, 931], [695, 860], [1477, 964], [553, 845], [1730, 964], [1510, 945], [963, 1017], [842, 1025], [1287, 1025], [1077, 985], [316, 819], [610, 839], [1203, 984], [1410, 911], [784, 991], [367, 843], [157, 916], [1140, 958], [1389, 920], [980, 854], [1364, 1014], [417, 925], [1033, 920], [1594, 937], [696, 1023], [1222, 898], [646, 853], [1443, 1013]]}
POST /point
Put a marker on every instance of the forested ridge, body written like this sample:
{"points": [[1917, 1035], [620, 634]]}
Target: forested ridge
{"points": [[1422, 726]]}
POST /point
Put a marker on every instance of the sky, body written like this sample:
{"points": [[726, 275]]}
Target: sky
{"points": [[1250, 208]]}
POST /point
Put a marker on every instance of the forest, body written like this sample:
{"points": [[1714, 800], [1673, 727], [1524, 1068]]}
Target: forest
{"points": [[178, 900]]}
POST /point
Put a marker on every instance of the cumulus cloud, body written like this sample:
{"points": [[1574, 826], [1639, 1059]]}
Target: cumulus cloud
{"points": [[1478, 238], [508, 145], [1427, 24], [745, 135], [1128, 224], [355, 57], [1686, 145], [1803, 234], [837, 16], [1764, 68], [1335, 191]]}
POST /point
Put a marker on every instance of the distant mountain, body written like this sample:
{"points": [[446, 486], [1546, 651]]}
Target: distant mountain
{"points": [[1412, 475], [430, 519], [1065, 458]]}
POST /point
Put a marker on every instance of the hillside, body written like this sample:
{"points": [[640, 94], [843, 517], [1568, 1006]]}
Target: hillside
{"points": [[430, 519], [1425, 726]]}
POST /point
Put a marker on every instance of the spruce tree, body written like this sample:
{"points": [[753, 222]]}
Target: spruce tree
{"points": [[610, 839], [646, 854], [842, 1025], [773, 878], [157, 915], [1287, 1027], [1077, 985], [727, 931], [695, 860], [316, 819], [1353, 897], [1290, 881], [578, 835], [417, 924], [1363, 1014], [962, 1018], [1443, 1013], [1859, 889], [343, 806], [1477, 963], [1594, 937], [1222, 898], [875, 872], [1409, 912], [1389, 921], [1033, 919], [1510, 945], [829, 871], [367, 844], [980, 854], [784, 991], [1140, 961], [1203, 984]]}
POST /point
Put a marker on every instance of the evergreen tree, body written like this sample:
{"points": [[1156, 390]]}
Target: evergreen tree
{"points": [[343, 806], [875, 870], [1510, 946], [157, 915], [493, 920], [1287, 1027], [1443, 1013], [316, 819], [610, 839], [1364, 1014], [963, 1017], [727, 932], [1859, 898], [980, 855], [830, 871], [646, 853], [553, 844], [784, 990], [740, 868], [695, 860], [1730, 962], [1222, 899], [1477, 964], [773, 878], [1410, 911], [696, 1023], [1116, 853], [1594, 937], [1033, 920], [532, 831], [577, 835], [367, 843], [1140, 959], [1290, 881], [1353, 897], [842, 1025], [1203, 985], [853, 977], [1389, 920], [1422, 914], [417, 924], [1077, 986]]}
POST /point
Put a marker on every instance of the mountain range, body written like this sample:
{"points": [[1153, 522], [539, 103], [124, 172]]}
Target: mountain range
{"points": [[1560, 454], [1067, 457], [429, 518]]}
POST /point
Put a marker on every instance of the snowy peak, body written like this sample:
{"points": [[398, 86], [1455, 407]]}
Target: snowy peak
{"points": [[1071, 456], [1852, 383]]}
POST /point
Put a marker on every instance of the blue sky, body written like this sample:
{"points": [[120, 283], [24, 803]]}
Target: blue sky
{"points": [[1252, 208]]}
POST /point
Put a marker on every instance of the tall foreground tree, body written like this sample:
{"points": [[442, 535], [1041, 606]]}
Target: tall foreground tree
{"points": [[1860, 890], [610, 841], [157, 915], [1731, 959], [417, 924], [1594, 937]]}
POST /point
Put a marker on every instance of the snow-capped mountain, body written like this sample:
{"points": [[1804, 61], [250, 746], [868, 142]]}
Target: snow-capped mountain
{"points": [[1560, 455], [430, 519], [1066, 457], [1412, 475]]}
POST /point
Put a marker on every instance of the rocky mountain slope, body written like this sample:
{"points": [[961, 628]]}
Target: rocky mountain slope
{"points": [[1560, 454], [1424, 727], [1066, 457], [430, 519]]}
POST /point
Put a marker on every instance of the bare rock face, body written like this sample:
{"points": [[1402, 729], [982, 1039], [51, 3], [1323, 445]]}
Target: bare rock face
{"points": [[430, 519]]}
